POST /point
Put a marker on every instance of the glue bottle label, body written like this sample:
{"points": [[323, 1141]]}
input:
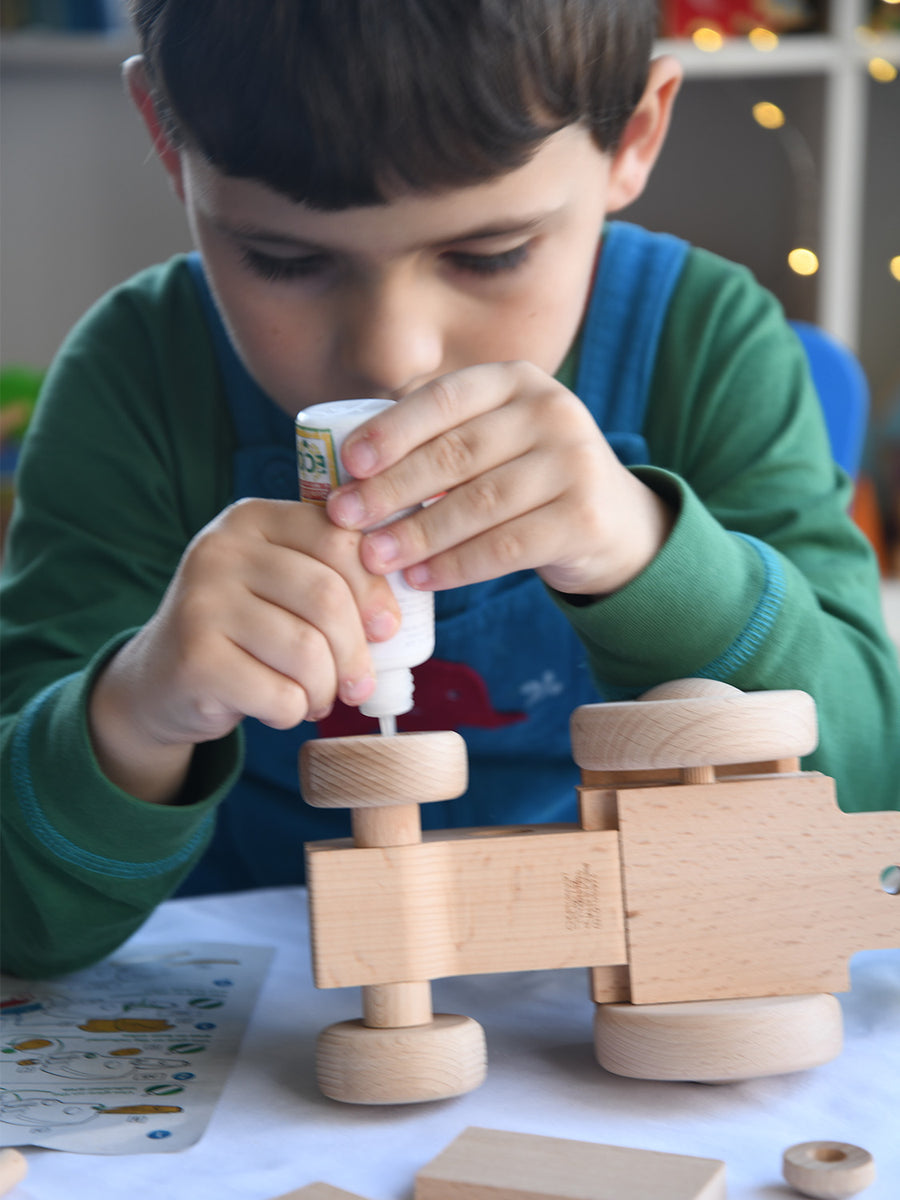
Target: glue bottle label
{"points": [[317, 464]]}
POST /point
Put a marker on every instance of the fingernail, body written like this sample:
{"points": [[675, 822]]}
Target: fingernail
{"points": [[360, 457], [347, 509], [320, 714], [355, 691], [418, 576], [381, 625], [383, 546]]}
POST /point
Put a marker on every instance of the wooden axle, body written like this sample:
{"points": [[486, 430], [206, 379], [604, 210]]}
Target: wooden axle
{"points": [[400, 1052]]}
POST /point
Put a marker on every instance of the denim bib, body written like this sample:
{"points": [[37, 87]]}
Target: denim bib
{"points": [[507, 669]]}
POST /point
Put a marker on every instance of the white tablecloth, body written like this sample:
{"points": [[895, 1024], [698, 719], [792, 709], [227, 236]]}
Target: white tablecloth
{"points": [[272, 1130]]}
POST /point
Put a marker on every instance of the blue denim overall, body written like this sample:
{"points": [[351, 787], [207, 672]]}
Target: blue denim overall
{"points": [[507, 669]]}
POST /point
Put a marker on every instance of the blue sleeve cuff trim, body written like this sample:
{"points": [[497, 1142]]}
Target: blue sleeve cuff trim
{"points": [[57, 843], [758, 628]]}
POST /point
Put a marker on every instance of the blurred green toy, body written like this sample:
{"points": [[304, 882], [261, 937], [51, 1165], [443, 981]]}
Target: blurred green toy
{"points": [[19, 387]]}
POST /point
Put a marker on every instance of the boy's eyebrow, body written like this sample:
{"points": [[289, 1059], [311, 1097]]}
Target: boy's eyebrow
{"points": [[252, 233]]}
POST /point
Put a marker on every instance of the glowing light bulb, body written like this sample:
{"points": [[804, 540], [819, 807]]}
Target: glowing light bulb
{"points": [[707, 39], [762, 39], [882, 70], [769, 115], [894, 267], [802, 261]]}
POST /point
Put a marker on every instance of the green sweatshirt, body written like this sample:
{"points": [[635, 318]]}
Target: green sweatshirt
{"points": [[764, 581]]}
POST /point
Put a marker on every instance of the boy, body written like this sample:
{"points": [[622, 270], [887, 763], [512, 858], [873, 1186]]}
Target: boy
{"points": [[402, 199]]}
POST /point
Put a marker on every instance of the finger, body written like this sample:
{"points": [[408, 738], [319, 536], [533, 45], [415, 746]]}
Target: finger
{"points": [[222, 681], [517, 545], [442, 404], [282, 642], [310, 593], [278, 527], [458, 455], [490, 500]]}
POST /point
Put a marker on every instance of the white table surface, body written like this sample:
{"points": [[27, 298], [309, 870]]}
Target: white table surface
{"points": [[272, 1131]]}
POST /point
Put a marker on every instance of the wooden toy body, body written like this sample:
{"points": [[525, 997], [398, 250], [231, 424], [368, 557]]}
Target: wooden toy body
{"points": [[684, 882], [756, 886]]}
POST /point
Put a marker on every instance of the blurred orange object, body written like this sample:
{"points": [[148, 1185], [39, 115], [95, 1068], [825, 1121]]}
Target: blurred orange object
{"points": [[867, 515]]}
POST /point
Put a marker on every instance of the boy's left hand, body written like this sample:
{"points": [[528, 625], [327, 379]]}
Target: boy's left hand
{"points": [[525, 479]]}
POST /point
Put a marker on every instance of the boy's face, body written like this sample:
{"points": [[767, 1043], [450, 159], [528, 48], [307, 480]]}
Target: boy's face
{"points": [[376, 301]]}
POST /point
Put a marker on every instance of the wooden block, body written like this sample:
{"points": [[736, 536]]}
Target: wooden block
{"points": [[597, 807], [319, 1191], [611, 985], [465, 903], [490, 1164], [13, 1168], [758, 887], [661, 775]]}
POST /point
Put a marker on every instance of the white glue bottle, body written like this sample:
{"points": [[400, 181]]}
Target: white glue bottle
{"points": [[320, 432]]}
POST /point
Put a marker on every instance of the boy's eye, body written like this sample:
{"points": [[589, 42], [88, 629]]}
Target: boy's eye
{"points": [[490, 264], [276, 269]]}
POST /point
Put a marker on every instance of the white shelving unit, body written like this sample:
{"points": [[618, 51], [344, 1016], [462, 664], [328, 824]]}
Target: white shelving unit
{"points": [[840, 57], [834, 61]]}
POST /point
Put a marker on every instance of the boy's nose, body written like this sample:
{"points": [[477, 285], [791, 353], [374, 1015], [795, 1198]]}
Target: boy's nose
{"points": [[392, 341]]}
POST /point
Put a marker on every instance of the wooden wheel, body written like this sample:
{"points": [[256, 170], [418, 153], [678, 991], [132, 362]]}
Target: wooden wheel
{"points": [[363, 1065], [693, 723], [828, 1170], [718, 1041], [375, 771]]}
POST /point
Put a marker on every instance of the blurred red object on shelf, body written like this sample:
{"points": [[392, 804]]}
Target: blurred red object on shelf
{"points": [[735, 18]]}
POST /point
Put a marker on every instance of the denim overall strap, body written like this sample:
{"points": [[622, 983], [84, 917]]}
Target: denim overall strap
{"points": [[265, 462], [637, 275]]}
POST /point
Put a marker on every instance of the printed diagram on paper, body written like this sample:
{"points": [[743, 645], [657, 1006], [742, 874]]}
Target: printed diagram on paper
{"points": [[130, 1056]]}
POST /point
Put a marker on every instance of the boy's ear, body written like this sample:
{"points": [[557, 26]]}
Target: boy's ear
{"points": [[135, 75], [644, 134]]}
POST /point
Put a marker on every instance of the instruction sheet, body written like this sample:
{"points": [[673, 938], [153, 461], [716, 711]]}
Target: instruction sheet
{"points": [[129, 1056]]}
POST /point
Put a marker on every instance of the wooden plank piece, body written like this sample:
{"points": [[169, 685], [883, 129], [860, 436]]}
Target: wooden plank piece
{"points": [[506, 899], [758, 887], [320, 1191], [492, 1164]]}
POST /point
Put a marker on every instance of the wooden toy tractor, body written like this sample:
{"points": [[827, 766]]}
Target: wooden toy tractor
{"points": [[714, 889]]}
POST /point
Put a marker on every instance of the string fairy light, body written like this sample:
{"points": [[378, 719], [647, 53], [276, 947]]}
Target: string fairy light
{"points": [[881, 70], [708, 39], [768, 115], [803, 261], [763, 39]]}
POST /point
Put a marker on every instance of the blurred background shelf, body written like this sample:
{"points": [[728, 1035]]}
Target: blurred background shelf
{"points": [[84, 205]]}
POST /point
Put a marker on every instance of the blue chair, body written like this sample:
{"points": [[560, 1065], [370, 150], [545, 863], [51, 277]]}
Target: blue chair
{"points": [[843, 391]]}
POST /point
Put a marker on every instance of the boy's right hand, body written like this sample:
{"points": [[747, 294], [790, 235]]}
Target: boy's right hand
{"points": [[267, 616]]}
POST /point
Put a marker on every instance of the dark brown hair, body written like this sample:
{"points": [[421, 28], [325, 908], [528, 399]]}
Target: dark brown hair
{"points": [[344, 102]]}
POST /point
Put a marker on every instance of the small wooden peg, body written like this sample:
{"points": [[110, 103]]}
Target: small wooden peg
{"points": [[13, 1168], [828, 1170]]}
